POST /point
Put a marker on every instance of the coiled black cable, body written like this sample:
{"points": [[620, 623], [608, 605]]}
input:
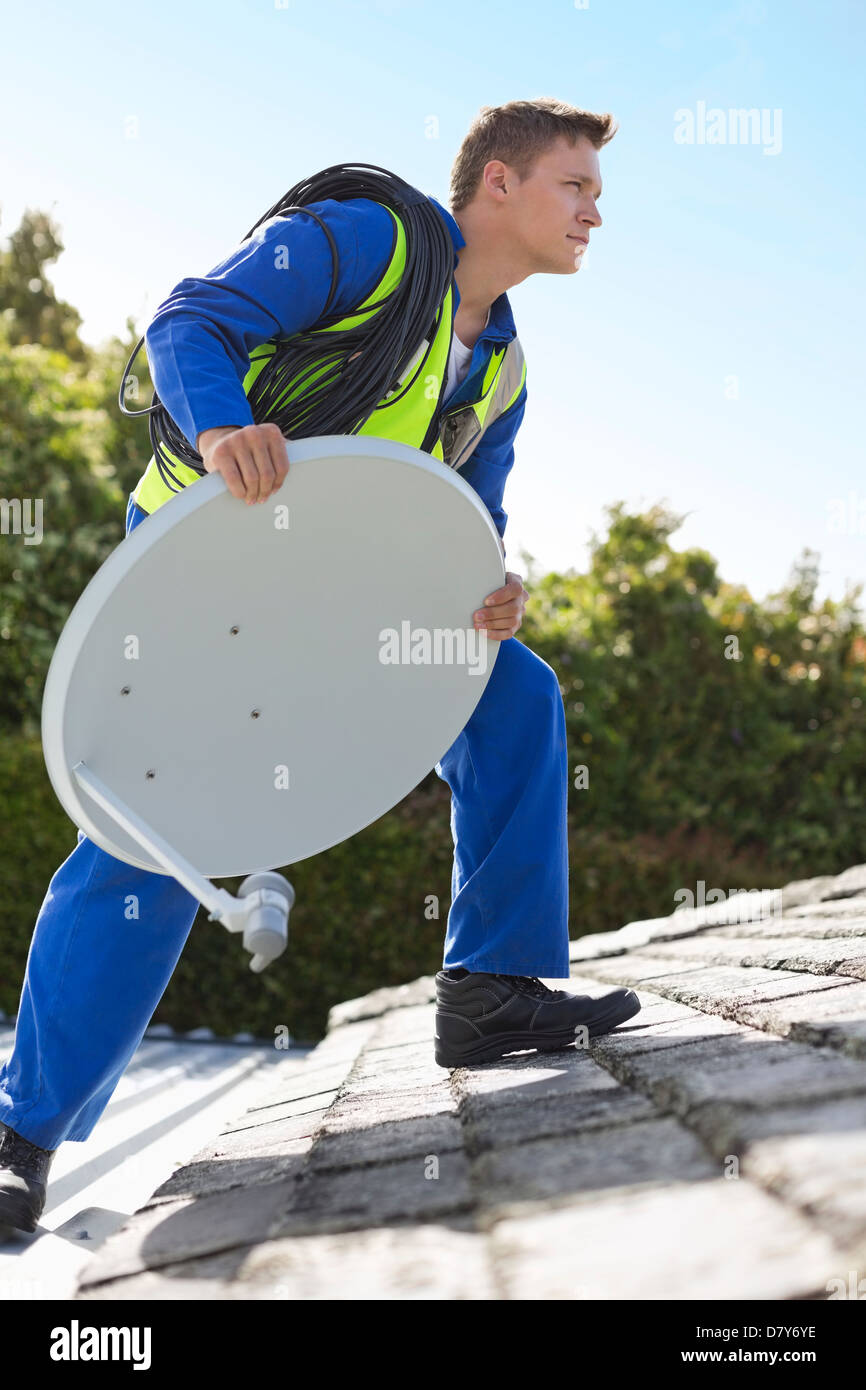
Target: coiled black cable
{"points": [[357, 366]]}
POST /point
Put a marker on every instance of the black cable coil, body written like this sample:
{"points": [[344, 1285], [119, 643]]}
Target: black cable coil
{"points": [[362, 363]]}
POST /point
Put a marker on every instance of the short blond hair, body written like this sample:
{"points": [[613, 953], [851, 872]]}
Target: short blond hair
{"points": [[518, 133]]}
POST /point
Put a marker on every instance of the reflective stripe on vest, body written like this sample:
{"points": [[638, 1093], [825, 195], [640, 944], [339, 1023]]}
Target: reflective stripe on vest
{"points": [[405, 413], [502, 384]]}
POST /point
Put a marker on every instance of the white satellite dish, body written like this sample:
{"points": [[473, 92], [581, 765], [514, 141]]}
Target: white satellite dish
{"points": [[240, 687]]}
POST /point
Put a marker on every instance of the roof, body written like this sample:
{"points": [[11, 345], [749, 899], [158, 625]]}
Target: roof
{"points": [[177, 1090], [704, 1150]]}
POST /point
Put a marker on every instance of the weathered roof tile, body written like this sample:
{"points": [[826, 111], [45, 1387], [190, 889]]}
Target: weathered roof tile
{"points": [[712, 1148]]}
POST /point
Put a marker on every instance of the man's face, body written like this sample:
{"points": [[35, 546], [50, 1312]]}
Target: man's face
{"points": [[554, 208]]}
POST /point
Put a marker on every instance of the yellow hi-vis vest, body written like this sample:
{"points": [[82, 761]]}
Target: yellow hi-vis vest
{"points": [[404, 413]]}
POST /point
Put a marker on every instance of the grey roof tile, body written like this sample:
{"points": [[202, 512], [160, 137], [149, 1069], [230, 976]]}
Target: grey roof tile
{"points": [[706, 1240], [712, 1148]]}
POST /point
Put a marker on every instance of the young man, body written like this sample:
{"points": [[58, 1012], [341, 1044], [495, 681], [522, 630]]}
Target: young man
{"points": [[524, 193]]}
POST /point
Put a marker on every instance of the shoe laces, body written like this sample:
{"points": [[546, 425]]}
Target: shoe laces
{"points": [[530, 984], [15, 1149]]}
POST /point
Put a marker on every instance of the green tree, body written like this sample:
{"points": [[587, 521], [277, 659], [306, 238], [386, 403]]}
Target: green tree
{"points": [[691, 704], [724, 738], [67, 454], [52, 463], [126, 442], [29, 308]]}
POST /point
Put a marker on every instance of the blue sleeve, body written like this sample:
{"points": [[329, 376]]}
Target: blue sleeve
{"points": [[491, 461], [199, 340]]}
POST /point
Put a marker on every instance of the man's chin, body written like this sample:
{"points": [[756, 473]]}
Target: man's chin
{"points": [[562, 268], [557, 267]]}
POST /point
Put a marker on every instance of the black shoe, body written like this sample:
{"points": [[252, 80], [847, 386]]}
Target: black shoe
{"points": [[23, 1179], [480, 1017]]}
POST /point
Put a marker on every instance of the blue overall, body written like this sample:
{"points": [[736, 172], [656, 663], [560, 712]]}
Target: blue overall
{"points": [[91, 988]]}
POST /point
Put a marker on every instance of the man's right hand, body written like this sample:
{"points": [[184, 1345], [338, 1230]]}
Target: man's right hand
{"points": [[252, 459]]}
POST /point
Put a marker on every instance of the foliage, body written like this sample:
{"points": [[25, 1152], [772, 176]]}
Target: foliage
{"points": [[692, 704], [68, 460], [722, 739]]}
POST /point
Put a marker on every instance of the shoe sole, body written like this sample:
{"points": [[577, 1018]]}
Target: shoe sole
{"points": [[491, 1049], [15, 1218]]}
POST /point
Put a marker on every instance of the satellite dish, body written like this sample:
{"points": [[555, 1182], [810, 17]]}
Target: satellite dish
{"points": [[241, 687]]}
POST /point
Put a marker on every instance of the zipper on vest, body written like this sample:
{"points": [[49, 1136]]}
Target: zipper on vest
{"points": [[447, 420]]}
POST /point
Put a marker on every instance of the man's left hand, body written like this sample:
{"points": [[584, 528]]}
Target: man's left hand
{"points": [[503, 610]]}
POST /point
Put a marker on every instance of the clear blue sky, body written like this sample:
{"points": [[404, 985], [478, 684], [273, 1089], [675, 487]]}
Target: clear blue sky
{"points": [[709, 351]]}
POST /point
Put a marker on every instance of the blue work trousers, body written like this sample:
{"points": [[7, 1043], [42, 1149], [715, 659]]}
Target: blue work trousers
{"points": [[94, 977]]}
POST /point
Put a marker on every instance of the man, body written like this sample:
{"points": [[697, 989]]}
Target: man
{"points": [[524, 193]]}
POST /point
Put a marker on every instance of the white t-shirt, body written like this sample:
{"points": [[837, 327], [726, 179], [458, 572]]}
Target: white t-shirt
{"points": [[458, 362]]}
